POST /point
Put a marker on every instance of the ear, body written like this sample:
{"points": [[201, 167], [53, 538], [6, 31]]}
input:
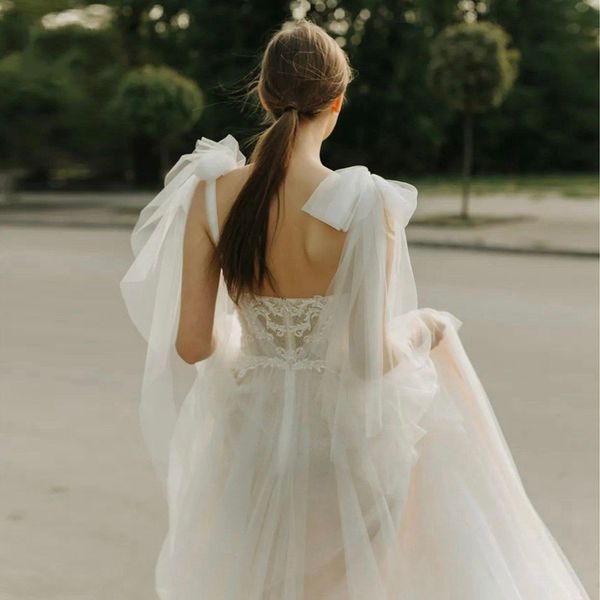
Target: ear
{"points": [[336, 105]]}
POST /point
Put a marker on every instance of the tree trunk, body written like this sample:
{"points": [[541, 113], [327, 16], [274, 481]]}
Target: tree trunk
{"points": [[467, 162]]}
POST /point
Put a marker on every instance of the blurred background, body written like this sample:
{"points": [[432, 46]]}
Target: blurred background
{"points": [[69, 74], [489, 107]]}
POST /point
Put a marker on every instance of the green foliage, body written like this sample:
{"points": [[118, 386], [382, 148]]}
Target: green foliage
{"points": [[34, 103], [550, 121], [220, 50], [158, 103], [53, 101], [392, 121], [92, 66], [472, 67], [156, 106]]}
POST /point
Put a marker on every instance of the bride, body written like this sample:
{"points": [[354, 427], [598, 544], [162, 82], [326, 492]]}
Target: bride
{"points": [[336, 442]]}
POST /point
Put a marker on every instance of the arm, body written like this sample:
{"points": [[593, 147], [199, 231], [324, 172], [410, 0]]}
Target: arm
{"points": [[200, 281]]}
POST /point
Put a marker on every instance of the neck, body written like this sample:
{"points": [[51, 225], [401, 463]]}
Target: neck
{"points": [[309, 138]]}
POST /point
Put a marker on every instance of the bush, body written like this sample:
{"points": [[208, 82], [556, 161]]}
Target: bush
{"points": [[158, 104]]}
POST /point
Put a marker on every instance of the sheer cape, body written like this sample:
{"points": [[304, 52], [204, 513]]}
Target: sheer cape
{"points": [[428, 501]]}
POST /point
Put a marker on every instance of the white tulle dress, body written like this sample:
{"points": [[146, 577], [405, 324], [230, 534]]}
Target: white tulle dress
{"points": [[325, 451]]}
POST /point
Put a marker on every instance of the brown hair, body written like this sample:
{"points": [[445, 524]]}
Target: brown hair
{"points": [[302, 71]]}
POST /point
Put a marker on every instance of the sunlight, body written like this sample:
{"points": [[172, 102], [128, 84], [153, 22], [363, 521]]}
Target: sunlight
{"points": [[94, 16]]}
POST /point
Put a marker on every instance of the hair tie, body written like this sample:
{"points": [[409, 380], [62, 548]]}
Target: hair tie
{"points": [[289, 107]]}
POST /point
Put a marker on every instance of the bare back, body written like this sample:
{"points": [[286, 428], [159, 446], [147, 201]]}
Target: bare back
{"points": [[303, 252]]}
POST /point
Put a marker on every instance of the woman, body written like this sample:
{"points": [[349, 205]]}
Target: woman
{"points": [[336, 442]]}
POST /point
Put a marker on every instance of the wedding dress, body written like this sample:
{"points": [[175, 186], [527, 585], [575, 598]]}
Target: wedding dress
{"points": [[325, 450]]}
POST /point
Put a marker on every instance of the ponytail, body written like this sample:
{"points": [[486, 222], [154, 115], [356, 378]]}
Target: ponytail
{"points": [[302, 71], [242, 246]]}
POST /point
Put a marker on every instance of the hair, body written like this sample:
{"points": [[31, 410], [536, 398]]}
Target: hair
{"points": [[302, 71]]}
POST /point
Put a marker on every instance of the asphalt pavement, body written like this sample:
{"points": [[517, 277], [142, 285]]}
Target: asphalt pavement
{"points": [[81, 515]]}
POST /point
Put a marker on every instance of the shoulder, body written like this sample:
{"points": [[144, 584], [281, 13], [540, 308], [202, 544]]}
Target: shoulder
{"points": [[233, 181], [228, 187], [352, 194]]}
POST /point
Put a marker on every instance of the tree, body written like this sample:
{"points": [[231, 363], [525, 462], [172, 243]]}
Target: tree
{"points": [[159, 105], [33, 101], [216, 44], [550, 120], [89, 66], [391, 122], [54, 93], [472, 69]]}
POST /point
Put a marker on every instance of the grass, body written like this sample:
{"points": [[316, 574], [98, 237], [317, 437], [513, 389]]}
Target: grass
{"points": [[569, 185], [457, 222]]}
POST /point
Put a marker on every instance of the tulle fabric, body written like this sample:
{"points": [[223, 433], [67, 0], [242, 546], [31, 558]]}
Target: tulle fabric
{"points": [[151, 287], [325, 450]]}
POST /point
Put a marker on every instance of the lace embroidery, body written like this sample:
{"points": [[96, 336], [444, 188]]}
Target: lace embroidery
{"points": [[283, 332], [249, 362]]}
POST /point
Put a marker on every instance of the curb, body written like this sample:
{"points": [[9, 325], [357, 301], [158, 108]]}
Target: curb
{"points": [[505, 249], [67, 224]]}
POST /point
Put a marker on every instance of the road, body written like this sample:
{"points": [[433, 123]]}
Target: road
{"points": [[81, 515]]}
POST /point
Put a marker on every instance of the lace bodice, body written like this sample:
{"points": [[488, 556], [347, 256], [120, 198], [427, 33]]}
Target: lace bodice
{"points": [[284, 332]]}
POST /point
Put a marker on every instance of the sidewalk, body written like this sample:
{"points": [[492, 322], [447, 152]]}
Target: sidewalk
{"points": [[75, 209], [551, 224]]}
